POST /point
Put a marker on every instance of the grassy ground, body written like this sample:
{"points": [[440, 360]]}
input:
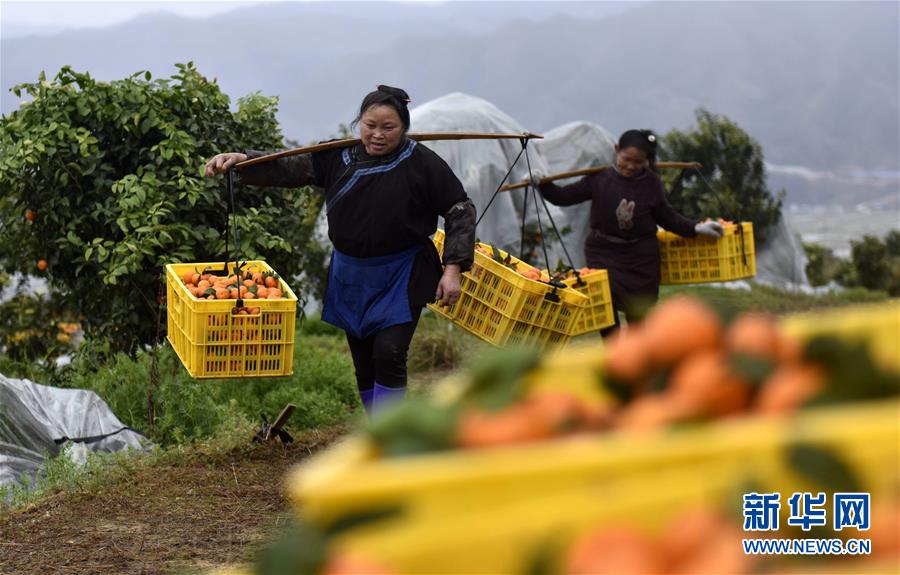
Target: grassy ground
{"points": [[208, 498]]}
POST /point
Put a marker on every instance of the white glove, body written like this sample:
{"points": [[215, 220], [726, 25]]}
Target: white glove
{"points": [[713, 229], [536, 176]]}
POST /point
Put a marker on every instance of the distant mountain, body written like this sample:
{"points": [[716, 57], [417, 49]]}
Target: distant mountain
{"points": [[817, 83]]}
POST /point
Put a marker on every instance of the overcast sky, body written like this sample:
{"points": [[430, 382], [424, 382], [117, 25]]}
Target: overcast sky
{"points": [[82, 14], [57, 14]]}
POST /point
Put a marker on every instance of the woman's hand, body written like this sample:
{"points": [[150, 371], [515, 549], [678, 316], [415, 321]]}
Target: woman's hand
{"points": [[448, 289], [220, 163], [713, 229]]}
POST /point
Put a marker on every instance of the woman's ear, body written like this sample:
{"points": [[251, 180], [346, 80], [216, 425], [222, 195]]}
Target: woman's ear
{"points": [[616, 148]]}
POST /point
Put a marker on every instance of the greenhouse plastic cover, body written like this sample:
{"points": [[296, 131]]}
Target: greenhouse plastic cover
{"points": [[36, 420]]}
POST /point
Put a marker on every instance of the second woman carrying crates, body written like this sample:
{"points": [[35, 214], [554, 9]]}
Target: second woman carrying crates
{"points": [[627, 203], [383, 197]]}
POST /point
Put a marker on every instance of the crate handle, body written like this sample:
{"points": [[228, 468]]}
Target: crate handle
{"points": [[552, 295], [740, 233]]}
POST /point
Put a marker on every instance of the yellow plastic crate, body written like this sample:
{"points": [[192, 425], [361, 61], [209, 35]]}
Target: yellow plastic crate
{"points": [[504, 308], [508, 538], [599, 313], [877, 325], [704, 259], [351, 478], [212, 342]]}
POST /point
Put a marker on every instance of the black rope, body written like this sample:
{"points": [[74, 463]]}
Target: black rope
{"points": [[237, 265], [537, 210], [552, 224], [503, 181], [93, 438], [725, 210], [522, 233]]}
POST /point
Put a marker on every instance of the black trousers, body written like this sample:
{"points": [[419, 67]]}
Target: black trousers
{"points": [[635, 307], [382, 356]]}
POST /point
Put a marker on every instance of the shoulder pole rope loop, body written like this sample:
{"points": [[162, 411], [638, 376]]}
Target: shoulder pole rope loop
{"points": [[551, 295], [537, 211], [237, 266], [537, 194], [497, 191]]}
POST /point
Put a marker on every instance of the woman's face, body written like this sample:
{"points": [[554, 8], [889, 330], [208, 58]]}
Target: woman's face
{"points": [[630, 161], [380, 129]]}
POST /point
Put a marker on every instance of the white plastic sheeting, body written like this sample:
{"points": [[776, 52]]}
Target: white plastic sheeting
{"points": [[36, 419], [570, 147], [781, 261], [481, 164]]}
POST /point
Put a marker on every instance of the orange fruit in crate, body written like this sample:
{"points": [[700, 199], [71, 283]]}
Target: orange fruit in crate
{"points": [[754, 334], [188, 278], [722, 553], [627, 355], [344, 563], [513, 424], [612, 550], [274, 293], [271, 281], [649, 412], [679, 326], [703, 384], [559, 410], [532, 274], [789, 387], [42, 265], [262, 292], [688, 533]]}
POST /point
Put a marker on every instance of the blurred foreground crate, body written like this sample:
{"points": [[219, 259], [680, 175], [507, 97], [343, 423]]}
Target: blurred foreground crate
{"points": [[877, 325], [213, 342], [502, 504]]}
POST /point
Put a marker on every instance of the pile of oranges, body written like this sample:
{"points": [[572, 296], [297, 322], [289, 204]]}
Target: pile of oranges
{"points": [[249, 285], [523, 269], [682, 363]]}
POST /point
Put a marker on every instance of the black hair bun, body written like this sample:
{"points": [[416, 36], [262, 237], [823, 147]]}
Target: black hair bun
{"points": [[401, 95], [651, 137]]}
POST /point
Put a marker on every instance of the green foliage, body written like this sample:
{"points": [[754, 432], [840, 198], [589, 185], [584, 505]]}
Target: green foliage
{"points": [[34, 328], [874, 264], [733, 181], [104, 182], [438, 345], [822, 266], [772, 299], [323, 389], [892, 243], [871, 262]]}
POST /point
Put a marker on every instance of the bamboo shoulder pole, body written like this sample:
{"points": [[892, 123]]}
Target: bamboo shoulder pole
{"points": [[424, 137], [587, 171]]}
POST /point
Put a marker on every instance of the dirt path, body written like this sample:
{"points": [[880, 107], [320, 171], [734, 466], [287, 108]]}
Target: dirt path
{"points": [[199, 512]]}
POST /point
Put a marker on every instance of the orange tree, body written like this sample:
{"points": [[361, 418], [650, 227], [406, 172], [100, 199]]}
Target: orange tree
{"points": [[102, 186]]}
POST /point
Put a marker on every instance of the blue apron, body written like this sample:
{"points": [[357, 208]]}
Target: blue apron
{"points": [[366, 295]]}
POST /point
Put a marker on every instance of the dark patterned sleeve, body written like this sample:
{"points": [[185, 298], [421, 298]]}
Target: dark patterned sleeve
{"points": [[448, 199], [670, 220], [289, 172], [574, 193], [459, 230]]}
